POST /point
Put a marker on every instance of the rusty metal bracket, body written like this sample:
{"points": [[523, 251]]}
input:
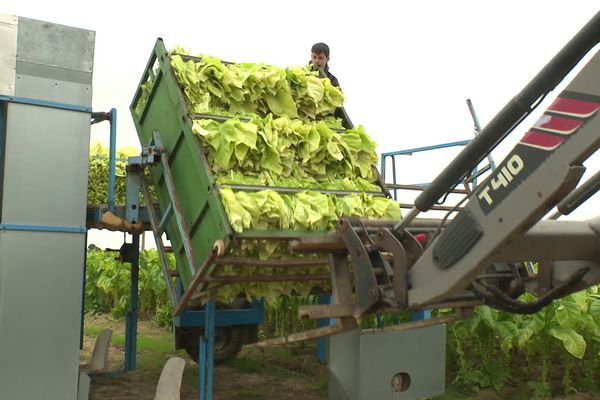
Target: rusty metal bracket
{"points": [[386, 241], [368, 292]]}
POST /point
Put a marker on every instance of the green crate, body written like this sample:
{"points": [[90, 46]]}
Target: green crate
{"points": [[159, 105]]}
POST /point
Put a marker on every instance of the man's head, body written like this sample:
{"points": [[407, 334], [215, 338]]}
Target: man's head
{"points": [[319, 54]]}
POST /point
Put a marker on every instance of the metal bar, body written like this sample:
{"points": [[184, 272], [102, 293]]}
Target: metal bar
{"points": [[112, 163], [43, 228], [283, 234], [271, 263], [281, 189], [207, 347], [209, 329], [159, 244], [223, 317], [319, 244], [181, 224], [46, 103], [81, 331], [202, 367], [421, 188], [323, 343], [3, 107], [435, 208], [473, 177], [478, 129], [223, 118], [132, 313], [265, 278], [427, 148], [165, 219], [196, 280], [388, 223], [394, 180], [404, 222], [306, 335], [325, 311], [419, 323], [382, 168], [420, 315], [187, 57], [580, 195], [215, 117]]}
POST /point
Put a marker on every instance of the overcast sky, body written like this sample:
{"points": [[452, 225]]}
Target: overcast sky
{"points": [[406, 67]]}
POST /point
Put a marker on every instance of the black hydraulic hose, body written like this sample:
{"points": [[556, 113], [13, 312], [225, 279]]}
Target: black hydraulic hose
{"points": [[512, 113], [580, 195]]}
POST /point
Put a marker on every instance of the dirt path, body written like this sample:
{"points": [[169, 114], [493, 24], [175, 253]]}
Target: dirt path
{"points": [[274, 374]]}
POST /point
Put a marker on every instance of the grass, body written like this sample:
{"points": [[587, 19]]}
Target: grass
{"points": [[162, 343]]}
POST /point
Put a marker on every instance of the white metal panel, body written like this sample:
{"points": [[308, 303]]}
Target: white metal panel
{"points": [[40, 304], [46, 166], [8, 53]]}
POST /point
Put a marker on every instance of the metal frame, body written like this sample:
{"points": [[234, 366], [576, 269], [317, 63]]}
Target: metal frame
{"points": [[207, 353], [129, 251], [43, 228], [46, 103]]}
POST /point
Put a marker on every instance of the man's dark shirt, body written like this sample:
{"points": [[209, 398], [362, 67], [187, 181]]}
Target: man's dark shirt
{"points": [[329, 75]]}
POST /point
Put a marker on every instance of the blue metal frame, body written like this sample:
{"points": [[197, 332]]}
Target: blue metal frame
{"points": [[420, 315], [426, 148], [2, 140], [223, 317], [408, 152], [81, 328], [132, 313], [207, 352], [112, 160], [46, 103], [43, 228]]}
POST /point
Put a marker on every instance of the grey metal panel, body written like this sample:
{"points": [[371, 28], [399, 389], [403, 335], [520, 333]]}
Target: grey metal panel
{"points": [[53, 90], [8, 54], [46, 166], [362, 365], [55, 45], [54, 73], [40, 305]]}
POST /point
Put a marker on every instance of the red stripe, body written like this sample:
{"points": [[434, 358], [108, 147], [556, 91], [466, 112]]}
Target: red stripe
{"points": [[542, 140], [564, 126], [578, 108]]}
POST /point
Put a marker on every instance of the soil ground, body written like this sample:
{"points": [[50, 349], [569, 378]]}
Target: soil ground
{"points": [[279, 373], [273, 374]]}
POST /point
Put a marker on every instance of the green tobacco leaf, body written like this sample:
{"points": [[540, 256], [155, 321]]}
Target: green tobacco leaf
{"points": [[209, 84], [569, 311], [282, 104], [572, 341]]}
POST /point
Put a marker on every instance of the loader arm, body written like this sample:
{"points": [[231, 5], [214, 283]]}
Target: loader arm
{"points": [[541, 170]]}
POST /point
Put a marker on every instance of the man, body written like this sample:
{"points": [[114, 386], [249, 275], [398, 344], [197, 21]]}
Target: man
{"points": [[320, 58]]}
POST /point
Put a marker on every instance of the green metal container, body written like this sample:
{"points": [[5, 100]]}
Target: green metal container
{"points": [[159, 105]]}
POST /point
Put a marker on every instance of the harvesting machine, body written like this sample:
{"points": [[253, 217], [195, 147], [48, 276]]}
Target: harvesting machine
{"points": [[379, 266]]}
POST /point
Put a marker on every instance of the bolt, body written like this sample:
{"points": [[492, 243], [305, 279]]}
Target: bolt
{"points": [[374, 292]]}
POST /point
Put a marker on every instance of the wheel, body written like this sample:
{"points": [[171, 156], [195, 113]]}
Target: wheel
{"points": [[228, 342]]}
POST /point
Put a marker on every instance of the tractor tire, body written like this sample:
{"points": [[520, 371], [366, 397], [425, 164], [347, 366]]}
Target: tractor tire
{"points": [[228, 342]]}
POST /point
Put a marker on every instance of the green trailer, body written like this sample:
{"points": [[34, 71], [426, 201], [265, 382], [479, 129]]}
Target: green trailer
{"points": [[360, 259], [193, 214]]}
